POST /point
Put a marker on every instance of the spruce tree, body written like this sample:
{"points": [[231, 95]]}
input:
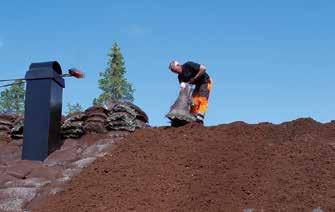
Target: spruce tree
{"points": [[12, 98], [74, 108], [113, 82]]}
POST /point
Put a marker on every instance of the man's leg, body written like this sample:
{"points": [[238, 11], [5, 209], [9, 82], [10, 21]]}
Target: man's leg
{"points": [[200, 107], [200, 101]]}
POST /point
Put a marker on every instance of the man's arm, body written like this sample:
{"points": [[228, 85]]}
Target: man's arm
{"points": [[202, 70]]}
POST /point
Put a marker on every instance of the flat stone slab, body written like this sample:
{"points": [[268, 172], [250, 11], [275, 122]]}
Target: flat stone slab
{"points": [[5, 178], [83, 163], [72, 143], [62, 156], [27, 183], [10, 152], [97, 149], [47, 172], [68, 174], [22, 168], [14, 199]]}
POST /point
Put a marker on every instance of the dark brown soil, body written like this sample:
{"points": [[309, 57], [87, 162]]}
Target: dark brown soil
{"points": [[287, 167]]}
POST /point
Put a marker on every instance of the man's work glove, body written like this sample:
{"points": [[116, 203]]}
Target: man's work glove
{"points": [[192, 80]]}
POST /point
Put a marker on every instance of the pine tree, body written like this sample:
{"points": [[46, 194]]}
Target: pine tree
{"points": [[113, 82], [12, 98], [74, 108]]}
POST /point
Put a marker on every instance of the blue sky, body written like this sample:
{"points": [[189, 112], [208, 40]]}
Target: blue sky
{"points": [[269, 60]]}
